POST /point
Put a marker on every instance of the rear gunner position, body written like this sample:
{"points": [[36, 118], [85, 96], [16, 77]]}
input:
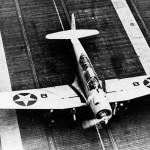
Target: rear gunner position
{"points": [[64, 97]]}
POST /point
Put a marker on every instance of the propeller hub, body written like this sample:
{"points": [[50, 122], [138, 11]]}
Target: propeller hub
{"points": [[103, 114]]}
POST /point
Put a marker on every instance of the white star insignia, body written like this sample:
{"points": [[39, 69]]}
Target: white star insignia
{"points": [[25, 99], [148, 80]]}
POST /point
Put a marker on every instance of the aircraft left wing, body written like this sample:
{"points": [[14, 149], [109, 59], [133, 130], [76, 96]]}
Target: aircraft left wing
{"points": [[59, 97], [128, 88]]}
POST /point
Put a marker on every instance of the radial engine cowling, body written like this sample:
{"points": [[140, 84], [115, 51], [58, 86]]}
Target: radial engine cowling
{"points": [[100, 107]]}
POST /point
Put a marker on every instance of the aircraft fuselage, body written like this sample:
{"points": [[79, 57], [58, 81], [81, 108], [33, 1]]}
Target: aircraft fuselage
{"points": [[93, 91]]}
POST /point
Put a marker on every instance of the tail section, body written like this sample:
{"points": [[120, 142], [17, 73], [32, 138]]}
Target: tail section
{"points": [[73, 33]]}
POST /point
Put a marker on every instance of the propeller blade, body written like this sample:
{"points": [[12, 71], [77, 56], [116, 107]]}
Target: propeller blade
{"points": [[90, 123]]}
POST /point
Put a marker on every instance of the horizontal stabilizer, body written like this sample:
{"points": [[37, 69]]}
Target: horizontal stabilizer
{"points": [[71, 34]]}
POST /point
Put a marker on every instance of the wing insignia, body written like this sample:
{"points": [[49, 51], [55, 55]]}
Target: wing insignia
{"points": [[25, 99], [128, 88]]}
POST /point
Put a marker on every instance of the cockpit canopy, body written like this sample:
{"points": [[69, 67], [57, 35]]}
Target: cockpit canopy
{"points": [[93, 83], [89, 73], [84, 62]]}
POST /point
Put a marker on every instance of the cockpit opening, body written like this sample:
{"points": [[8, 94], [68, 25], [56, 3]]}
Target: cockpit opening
{"points": [[84, 62], [93, 84]]}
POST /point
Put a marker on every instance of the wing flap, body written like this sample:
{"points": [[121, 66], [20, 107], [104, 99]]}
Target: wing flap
{"points": [[127, 95]]}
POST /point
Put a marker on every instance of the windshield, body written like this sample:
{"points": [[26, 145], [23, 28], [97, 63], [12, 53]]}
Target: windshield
{"points": [[93, 83]]}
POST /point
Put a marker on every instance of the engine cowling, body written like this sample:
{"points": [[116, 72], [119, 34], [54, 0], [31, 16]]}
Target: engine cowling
{"points": [[100, 107]]}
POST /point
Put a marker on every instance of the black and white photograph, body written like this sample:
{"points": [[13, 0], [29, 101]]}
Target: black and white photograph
{"points": [[74, 74]]}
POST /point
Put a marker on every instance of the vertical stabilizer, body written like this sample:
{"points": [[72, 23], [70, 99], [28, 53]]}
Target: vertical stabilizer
{"points": [[73, 24]]}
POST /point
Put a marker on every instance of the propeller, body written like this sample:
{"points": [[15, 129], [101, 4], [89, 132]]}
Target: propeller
{"points": [[90, 123]]}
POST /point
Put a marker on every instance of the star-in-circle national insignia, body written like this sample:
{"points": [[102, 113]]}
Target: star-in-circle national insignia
{"points": [[25, 99], [146, 82]]}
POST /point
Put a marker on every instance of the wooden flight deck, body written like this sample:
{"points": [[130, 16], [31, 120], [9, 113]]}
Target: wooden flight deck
{"points": [[34, 62]]}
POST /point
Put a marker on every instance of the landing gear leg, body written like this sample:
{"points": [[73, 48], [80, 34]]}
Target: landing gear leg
{"points": [[115, 108], [74, 114], [51, 116], [48, 117]]}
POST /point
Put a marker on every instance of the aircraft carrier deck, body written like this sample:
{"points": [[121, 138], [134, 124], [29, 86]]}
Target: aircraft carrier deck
{"points": [[34, 62]]}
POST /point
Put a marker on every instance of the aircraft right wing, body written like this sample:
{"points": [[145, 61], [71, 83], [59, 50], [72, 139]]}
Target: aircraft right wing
{"points": [[128, 88]]}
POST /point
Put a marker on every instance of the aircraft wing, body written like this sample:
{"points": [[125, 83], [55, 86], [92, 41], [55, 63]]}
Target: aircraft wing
{"points": [[128, 88], [59, 97]]}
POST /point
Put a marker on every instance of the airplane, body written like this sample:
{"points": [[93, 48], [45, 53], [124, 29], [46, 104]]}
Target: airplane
{"points": [[97, 94]]}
